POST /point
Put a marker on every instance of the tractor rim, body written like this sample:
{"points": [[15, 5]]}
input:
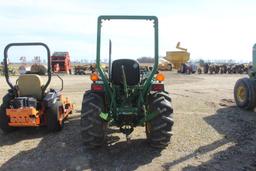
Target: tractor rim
{"points": [[241, 93]]}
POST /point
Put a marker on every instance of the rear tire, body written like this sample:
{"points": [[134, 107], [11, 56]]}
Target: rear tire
{"points": [[159, 129], [169, 67], [161, 94], [199, 71], [182, 69], [4, 119], [245, 94], [211, 70], [53, 116], [188, 71], [93, 128], [206, 68]]}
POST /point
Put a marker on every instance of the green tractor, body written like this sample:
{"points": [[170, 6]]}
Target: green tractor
{"points": [[245, 88], [125, 99]]}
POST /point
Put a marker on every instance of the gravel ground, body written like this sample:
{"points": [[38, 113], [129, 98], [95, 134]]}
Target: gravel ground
{"points": [[210, 133]]}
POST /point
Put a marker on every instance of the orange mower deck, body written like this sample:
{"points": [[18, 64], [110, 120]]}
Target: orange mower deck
{"points": [[30, 117]]}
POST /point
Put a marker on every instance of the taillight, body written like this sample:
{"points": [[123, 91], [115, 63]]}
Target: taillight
{"points": [[157, 87], [97, 87]]}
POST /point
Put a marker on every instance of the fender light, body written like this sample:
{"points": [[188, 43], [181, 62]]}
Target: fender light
{"points": [[160, 77], [97, 87], [157, 87], [94, 77]]}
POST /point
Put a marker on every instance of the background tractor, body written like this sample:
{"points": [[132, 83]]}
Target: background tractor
{"points": [[29, 104], [245, 88], [125, 99]]}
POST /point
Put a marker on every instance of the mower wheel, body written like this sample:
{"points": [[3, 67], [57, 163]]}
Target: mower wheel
{"points": [[53, 116], [159, 129], [245, 94], [4, 119], [93, 128]]}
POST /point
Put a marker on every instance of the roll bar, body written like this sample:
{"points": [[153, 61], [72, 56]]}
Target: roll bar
{"points": [[126, 17], [6, 73]]}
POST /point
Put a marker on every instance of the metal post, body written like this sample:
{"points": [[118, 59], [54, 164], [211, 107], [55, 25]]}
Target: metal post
{"points": [[125, 82], [110, 59], [254, 57]]}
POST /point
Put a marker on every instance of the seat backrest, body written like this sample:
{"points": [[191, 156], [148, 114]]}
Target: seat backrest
{"points": [[30, 85], [132, 72]]}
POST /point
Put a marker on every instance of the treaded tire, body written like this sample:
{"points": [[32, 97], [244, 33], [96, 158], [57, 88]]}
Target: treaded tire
{"points": [[188, 71], [206, 68], [4, 119], [199, 71], [160, 94], [159, 129], [169, 67], [249, 101], [93, 128], [211, 70], [52, 117]]}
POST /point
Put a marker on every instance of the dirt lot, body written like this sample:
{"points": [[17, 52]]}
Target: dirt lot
{"points": [[210, 133]]}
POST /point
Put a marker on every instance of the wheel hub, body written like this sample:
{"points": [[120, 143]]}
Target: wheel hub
{"points": [[241, 93]]}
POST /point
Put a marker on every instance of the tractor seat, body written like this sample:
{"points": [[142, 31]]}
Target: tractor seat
{"points": [[30, 85], [132, 72]]}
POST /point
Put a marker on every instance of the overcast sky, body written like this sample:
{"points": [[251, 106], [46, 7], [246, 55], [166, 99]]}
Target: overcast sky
{"points": [[219, 29]]}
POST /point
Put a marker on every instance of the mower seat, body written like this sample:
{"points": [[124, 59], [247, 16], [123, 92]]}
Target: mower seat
{"points": [[132, 72], [30, 85]]}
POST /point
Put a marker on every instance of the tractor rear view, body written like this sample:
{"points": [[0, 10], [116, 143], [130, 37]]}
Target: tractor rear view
{"points": [[245, 88], [125, 99]]}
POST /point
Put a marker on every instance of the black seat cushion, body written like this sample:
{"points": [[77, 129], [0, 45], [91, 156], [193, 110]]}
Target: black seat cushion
{"points": [[131, 68]]}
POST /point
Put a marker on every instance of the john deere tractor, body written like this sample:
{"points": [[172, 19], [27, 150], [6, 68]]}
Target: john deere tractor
{"points": [[28, 103], [125, 99], [245, 88]]}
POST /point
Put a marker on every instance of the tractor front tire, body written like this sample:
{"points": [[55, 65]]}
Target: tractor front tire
{"points": [[53, 116], [245, 94], [159, 129], [4, 119], [93, 128]]}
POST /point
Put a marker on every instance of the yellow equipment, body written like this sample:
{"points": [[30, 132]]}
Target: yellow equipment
{"points": [[177, 57]]}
